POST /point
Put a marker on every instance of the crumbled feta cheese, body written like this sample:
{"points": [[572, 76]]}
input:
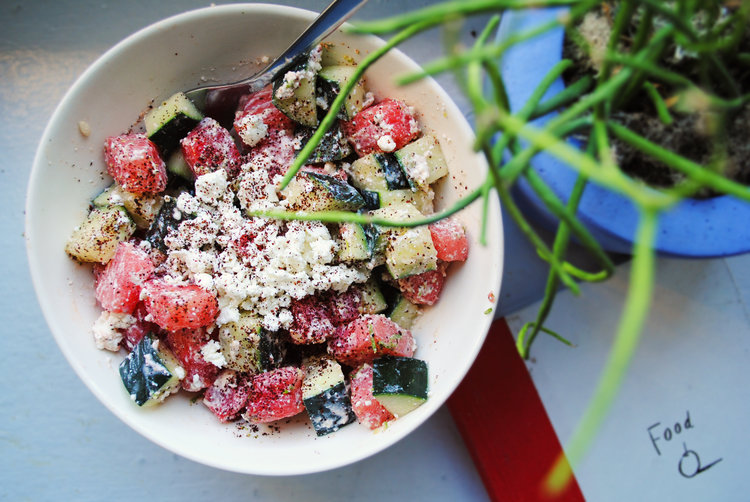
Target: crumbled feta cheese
{"points": [[210, 187], [252, 264], [187, 203], [194, 384], [386, 143], [106, 329], [369, 99], [251, 128], [211, 352]]}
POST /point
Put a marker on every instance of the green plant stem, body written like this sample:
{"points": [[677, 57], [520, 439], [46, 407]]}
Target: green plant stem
{"points": [[330, 117], [662, 111], [567, 216], [628, 333], [568, 95], [363, 219], [675, 79], [679, 22], [494, 154], [644, 30], [482, 54], [521, 157], [525, 112], [559, 246], [528, 231], [521, 341], [622, 20], [437, 14], [694, 171], [612, 179]]}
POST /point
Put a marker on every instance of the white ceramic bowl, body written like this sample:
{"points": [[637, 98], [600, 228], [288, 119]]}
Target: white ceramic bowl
{"points": [[221, 44]]}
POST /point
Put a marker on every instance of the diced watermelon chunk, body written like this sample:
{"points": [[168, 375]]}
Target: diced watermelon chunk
{"points": [[134, 163], [368, 410], [424, 288], [227, 396], [274, 154], [312, 322], [186, 345], [344, 307], [177, 306], [370, 336], [275, 394], [133, 334], [390, 117], [118, 286], [258, 118], [209, 147], [449, 238]]}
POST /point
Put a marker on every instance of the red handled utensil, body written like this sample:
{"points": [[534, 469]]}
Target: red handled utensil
{"points": [[504, 424]]}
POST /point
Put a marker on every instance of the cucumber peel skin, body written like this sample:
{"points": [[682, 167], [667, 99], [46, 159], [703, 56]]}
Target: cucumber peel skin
{"points": [[167, 124], [399, 383], [150, 372]]}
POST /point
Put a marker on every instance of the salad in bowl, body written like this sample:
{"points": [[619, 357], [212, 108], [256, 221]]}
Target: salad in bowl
{"points": [[260, 344]]}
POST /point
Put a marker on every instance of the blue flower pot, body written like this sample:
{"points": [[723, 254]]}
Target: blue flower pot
{"points": [[714, 227]]}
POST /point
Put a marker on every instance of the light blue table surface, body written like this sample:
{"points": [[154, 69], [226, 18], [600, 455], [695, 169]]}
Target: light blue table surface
{"points": [[57, 442]]}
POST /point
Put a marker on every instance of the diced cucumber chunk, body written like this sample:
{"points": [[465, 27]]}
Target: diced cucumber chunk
{"points": [[395, 178], [96, 239], [141, 207], [168, 123], [372, 298], [325, 395], [249, 348], [336, 55], [310, 191], [353, 244], [378, 172], [423, 161], [367, 174], [333, 79], [108, 197], [333, 146], [372, 200], [421, 199], [271, 351], [240, 343], [178, 166], [168, 218], [399, 383], [294, 94], [150, 372], [408, 250], [404, 312], [399, 404]]}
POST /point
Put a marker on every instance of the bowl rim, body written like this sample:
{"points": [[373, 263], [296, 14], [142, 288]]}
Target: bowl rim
{"points": [[46, 303], [694, 228]]}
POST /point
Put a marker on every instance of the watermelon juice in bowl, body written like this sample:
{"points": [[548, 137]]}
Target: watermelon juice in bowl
{"points": [[89, 141]]}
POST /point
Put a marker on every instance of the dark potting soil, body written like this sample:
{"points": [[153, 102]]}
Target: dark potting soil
{"points": [[698, 136]]}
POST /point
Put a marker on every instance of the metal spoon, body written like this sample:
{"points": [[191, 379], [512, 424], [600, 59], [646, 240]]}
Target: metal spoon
{"points": [[220, 101]]}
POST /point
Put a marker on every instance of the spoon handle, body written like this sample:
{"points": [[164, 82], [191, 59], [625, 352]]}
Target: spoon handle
{"points": [[331, 18], [220, 101]]}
